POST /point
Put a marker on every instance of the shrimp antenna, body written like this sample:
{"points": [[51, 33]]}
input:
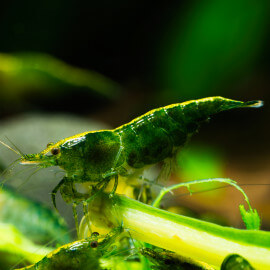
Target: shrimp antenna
{"points": [[28, 178], [10, 148], [13, 144], [9, 169]]}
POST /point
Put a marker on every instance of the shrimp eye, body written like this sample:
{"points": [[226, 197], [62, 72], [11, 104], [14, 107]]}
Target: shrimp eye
{"points": [[94, 244], [55, 151], [49, 144], [95, 234]]}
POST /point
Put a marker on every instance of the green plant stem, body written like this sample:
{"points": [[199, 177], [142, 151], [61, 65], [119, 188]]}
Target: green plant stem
{"points": [[228, 181], [189, 237]]}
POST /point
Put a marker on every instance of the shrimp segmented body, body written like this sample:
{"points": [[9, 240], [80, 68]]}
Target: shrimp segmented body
{"points": [[82, 254], [100, 156]]}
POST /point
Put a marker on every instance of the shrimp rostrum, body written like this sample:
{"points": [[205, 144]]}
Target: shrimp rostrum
{"points": [[100, 156]]}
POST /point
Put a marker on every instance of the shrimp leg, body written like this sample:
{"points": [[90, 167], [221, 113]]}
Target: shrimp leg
{"points": [[53, 194]]}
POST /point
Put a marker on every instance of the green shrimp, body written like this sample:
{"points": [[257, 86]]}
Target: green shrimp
{"points": [[154, 137], [81, 254]]}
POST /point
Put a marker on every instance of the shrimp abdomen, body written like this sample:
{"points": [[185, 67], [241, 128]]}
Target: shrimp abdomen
{"points": [[153, 137]]}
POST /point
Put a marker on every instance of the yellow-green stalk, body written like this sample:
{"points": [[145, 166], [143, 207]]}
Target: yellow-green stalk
{"points": [[16, 248], [189, 237]]}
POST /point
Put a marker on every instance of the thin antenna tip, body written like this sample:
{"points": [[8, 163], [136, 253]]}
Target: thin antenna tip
{"points": [[10, 148]]}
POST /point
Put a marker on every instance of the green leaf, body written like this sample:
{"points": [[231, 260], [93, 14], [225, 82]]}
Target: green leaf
{"points": [[28, 73], [251, 218]]}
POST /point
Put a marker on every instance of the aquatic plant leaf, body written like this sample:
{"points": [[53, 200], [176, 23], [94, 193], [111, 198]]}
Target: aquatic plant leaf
{"points": [[38, 223], [251, 218], [26, 73], [15, 248], [193, 238]]}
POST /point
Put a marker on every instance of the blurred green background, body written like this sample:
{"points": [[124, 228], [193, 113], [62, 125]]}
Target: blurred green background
{"points": [[71, 66]]}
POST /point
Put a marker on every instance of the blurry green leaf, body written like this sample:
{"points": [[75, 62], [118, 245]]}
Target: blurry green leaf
{"points": [[251, 218], [23, 73], [214, 43], [38, 223], [235, 262], [200, 162], [15, 248]]}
